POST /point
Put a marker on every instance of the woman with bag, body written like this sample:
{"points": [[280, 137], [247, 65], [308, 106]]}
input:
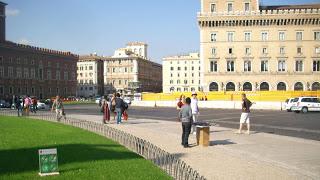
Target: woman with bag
{"points": [[105, 110]]}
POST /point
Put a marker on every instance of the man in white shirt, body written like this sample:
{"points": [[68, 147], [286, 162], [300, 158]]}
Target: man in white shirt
{"points": [[195, 110]]}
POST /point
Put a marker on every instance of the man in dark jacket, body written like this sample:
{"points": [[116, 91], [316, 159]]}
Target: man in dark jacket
{"points": [[185, 116], [18, 105], [119, 108]]}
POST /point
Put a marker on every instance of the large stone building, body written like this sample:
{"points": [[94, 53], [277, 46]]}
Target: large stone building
{"points": [[28, 70], [90, 76], [129, 71], [244, 46], [181, 73]]}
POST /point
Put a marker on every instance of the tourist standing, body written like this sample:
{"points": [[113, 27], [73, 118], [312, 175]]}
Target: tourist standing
{"points": [[17, 103], [119, 107], [185, 116], [245, 115], [27, 105], [195, 110], [105, 104], [113, 106], [58, 106]]}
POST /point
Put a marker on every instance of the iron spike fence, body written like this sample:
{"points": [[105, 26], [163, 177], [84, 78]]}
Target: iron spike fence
{"points": [[169, 163]]}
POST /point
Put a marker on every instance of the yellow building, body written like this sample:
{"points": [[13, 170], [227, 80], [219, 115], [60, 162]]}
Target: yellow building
{"points": [[181, 73], [244, 46]]}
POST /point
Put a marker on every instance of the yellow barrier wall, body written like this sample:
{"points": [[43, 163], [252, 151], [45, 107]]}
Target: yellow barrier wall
{"points": [[232, 96]]}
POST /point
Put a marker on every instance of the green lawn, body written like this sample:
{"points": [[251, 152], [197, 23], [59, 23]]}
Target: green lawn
{"points": [[81, 154]]}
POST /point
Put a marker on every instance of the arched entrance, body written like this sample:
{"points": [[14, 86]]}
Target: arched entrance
{"points": [[264, 86], [281, 86], [298, 86], [230, 86], [247, 86], [316, 86], [213, 86]]}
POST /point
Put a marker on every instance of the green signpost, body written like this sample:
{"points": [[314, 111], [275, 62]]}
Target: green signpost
{"points": [[48, 162]]}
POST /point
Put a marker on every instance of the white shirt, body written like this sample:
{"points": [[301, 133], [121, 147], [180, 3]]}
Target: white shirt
{"points": [[194, 106]]}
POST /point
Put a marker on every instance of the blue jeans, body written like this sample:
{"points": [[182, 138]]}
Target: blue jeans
{"points": [[119, 114]]}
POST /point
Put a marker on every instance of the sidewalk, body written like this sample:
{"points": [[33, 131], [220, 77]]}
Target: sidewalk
{"points": [[232, 156]]}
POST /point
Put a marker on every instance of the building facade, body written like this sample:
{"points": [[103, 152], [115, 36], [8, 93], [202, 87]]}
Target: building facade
{"points": [[129, 71], [181, 73], [90, 76], [247, 47], [34, 71]]}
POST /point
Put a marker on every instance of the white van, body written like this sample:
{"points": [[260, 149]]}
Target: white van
{"points": [[305, 104], [288, 104]]}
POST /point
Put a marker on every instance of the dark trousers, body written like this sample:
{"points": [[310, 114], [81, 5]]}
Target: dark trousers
{"points": [[186, 128]]}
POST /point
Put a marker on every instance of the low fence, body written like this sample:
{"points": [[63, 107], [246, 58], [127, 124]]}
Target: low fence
{"points": [[266, 96], [175, 167]]}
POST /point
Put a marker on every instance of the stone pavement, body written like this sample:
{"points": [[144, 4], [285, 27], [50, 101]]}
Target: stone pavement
{"points": [[231, 156]]}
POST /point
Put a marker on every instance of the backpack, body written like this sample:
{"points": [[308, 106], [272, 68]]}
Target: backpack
{"points": [[125, 105]]}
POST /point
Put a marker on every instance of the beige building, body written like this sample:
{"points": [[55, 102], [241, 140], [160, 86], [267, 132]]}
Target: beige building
{"points": [[90, 76], [244, 46], [181, 73], [129, 71]]}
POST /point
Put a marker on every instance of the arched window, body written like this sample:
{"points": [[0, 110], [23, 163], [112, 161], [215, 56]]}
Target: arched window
{"points": [[298, 86], [281, 86], [214, 86], [230, 87], [247, 86], [316, 86], [264, 86], [172, 89]]}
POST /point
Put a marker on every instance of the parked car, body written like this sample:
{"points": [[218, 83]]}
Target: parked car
{"points": [[305, 104], [98, 100], [288, 104], [4, 104], [41, 105], [127, 100]]}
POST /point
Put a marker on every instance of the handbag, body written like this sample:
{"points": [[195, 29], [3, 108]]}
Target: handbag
{"points": [[125, 115]]}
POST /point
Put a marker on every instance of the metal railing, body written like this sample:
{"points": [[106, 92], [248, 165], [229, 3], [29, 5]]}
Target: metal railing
{"points": [[171, 164]]}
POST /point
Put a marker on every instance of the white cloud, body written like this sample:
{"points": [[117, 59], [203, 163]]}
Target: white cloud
{"points": [[24, 41], [12, 12]]}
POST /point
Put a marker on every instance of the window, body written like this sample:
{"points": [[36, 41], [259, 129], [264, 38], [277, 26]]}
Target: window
{"points": [[317, 36], [65, 75], [171, 81], [230, 51], [213, 66], [185, 68], [33, 73], [1, 59], [247, 66], [213, 37], [246, 6], [1, 71], [185, 81], [230, 66], [299, 66], [192, 74], [119, 82], [213, 51], [264, 51], [178, 74], [264, 66], [171, 75], [19, 73], [213, 8], [179, 68], [316, 65], [57, 75], [264, 36], [48, 74], [230, 36], [171, 68], [247, 36], [10, 72], [281, 65], [317, 50], [282, 50], [178, 81], [230, 7], [299, 50], [114, 70], [299, 36], [90, 68], [26, 73], [281, 36], [248, 51], [192, 68]]}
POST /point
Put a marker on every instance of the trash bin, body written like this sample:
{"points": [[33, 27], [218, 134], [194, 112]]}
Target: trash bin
{"points": [[203, 135]]}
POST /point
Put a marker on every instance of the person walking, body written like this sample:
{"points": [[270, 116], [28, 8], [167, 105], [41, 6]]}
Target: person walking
{"points": [[185, 116], [58, 106], [17, 103], [119, 107], [113, 106], [195, 110], [105, 104], [34, 105], [27, 105], [245, 115]]}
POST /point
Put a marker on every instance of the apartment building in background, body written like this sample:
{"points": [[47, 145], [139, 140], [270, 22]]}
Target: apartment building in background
{"points": [[90, 76], [181, 73], [248, 47], [130, 71], [34, 71]]}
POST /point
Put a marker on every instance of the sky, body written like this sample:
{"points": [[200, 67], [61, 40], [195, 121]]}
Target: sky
{"points": [[169, 27]]}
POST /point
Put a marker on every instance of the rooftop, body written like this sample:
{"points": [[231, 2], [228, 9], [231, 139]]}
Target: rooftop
{"points": [[136, 43], [283, 7]]}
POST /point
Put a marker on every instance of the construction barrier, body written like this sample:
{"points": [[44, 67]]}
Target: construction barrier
{"points": [[273, 96]]}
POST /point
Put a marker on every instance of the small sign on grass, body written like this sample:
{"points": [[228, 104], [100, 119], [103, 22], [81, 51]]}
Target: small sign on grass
{"points": [[48, 162]]}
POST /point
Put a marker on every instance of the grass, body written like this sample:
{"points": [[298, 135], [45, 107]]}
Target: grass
{"points": [[81, 154]]}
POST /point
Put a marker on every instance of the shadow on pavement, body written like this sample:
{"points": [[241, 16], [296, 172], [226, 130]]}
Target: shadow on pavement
{"points": [[221, 142]]}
